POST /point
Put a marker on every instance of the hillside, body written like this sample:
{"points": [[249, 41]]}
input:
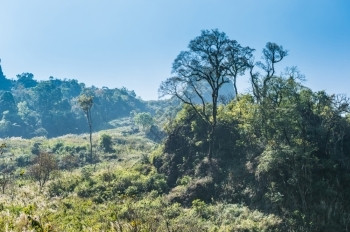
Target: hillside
{"points": [[121, 192], [30, 108], [289, 173]]}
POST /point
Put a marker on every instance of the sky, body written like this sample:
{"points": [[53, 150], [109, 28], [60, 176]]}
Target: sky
{"points": [[133, 43]]}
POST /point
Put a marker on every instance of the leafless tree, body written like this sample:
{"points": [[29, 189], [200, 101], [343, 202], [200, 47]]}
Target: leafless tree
{"points": [[43, 166]]}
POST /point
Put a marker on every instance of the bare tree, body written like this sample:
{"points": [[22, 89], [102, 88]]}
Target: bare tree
{"points": [[43, 166], [210, 62]]}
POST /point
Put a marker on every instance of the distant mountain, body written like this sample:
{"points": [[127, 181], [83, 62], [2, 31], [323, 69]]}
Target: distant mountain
{"points": [[30, 108]]}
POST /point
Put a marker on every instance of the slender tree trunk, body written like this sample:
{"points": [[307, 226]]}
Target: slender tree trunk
{"points": [[90, 131], [213, 127], [211, 144], [235, 87], [86, 104]]}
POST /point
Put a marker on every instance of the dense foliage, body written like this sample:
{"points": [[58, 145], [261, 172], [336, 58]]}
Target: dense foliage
{"points": [[30, 108], [287, 154]]}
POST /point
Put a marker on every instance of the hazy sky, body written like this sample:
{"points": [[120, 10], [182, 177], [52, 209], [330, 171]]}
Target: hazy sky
{"points": [[133, 43]]}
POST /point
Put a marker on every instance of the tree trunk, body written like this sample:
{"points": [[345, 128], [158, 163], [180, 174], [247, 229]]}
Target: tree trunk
{"points": [[213, 126], [235, 87], [90, 127], [88, 115], [211, 144]]}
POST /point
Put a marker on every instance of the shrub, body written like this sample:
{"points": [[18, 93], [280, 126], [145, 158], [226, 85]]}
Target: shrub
{"points": [[69, 162], [62, 187], [23, 160], [106, 143]]}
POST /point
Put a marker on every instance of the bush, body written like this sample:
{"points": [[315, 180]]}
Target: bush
{"points": [[106, 143], [23, 160], [62, 187], [69, 162]]}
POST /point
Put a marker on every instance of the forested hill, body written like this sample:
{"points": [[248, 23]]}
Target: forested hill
{"points": [[30, 108]]}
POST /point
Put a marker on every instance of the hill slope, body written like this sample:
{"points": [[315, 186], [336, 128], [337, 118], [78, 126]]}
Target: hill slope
{"points": [[30, 108]]}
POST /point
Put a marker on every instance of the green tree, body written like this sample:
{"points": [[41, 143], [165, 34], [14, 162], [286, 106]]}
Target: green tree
{"points": [[10, 122], [144, 119], [47, 96], [55, 111], [7, 102], [5, 84], [211, 60], [29, 116], [272, 54], [26, 80], [86, 103], [298, 138], [106, 143]]}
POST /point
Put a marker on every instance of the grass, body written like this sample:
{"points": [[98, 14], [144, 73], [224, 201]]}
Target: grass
{"points": [[122, 192]]}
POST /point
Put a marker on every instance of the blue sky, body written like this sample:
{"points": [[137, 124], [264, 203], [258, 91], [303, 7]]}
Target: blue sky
{"points": [[133, 43]]}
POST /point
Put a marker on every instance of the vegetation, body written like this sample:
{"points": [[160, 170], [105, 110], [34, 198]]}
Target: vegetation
{"points": [[279, 157], [44, 165], [124, 193], [86, 103], [30, 108], [211, 60], [144, 119], [106, 143]]}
